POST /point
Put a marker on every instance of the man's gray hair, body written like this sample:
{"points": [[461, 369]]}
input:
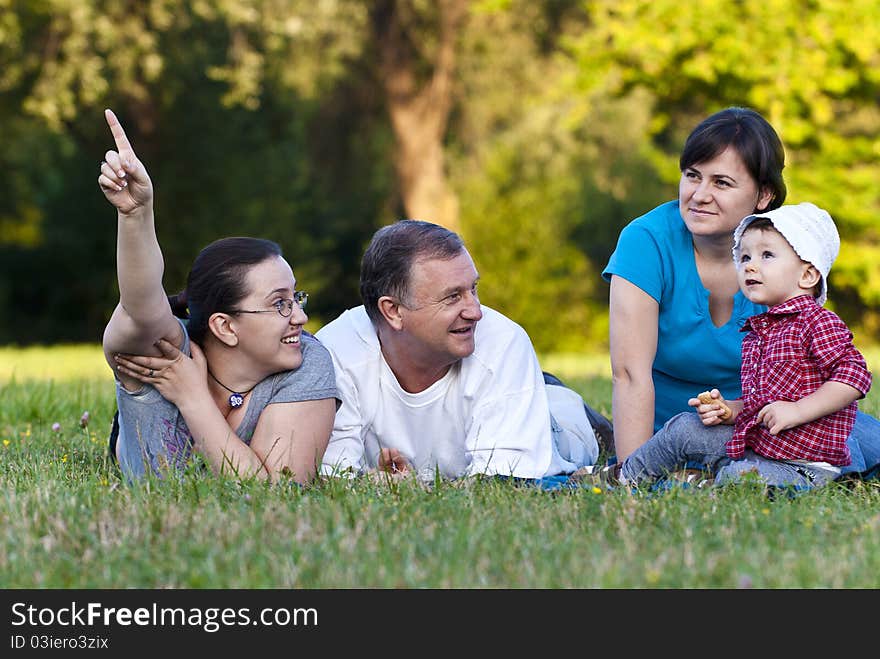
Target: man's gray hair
{"points": [[388, 260]]}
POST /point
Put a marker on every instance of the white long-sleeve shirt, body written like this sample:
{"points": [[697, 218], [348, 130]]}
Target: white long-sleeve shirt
{"points": [[488, 415]]}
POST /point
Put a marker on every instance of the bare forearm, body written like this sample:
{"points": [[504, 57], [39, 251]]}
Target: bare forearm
{"points": [[215, 441], [632, 408], [139, 266], [291, 438], [633, 331]]}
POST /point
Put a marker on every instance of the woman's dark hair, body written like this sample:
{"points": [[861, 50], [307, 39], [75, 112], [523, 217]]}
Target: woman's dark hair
{"points": [[385, 267], [216, 281], [755, 141]]}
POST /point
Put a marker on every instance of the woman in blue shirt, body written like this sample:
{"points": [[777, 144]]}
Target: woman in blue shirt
{"points": [[675, 305]]}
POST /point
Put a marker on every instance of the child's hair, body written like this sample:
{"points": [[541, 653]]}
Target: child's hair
{"points": [[766, 224]]}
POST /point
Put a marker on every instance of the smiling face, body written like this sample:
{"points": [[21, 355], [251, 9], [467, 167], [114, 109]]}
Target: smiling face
{"points": [[769, 271], [713, 196], [269, 339], [442, 310]]}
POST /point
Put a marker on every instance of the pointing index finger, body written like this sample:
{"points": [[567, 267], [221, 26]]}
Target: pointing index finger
{"points": [[122, 144]]}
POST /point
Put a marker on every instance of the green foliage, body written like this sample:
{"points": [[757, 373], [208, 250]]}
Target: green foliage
{"points": [[292, 172], [810, 67], [534, 272], [269, 117], [546, 179]]}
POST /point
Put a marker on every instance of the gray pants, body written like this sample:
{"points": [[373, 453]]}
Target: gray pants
{"points": [[684, 439]]}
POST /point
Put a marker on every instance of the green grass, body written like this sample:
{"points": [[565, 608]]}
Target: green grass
{"points": [[62, 363], [69, 522]]}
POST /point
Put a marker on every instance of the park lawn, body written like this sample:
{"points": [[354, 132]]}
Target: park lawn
{"points": [[70, 522]]}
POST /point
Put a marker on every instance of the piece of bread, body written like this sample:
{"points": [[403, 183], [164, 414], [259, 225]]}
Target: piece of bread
{"points": [[706, 399]]}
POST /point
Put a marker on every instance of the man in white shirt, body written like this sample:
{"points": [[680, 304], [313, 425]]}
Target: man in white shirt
{"points": [[431, 381]]}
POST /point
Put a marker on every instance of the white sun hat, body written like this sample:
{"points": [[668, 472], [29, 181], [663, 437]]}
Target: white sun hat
{"points": [[808, 229]]}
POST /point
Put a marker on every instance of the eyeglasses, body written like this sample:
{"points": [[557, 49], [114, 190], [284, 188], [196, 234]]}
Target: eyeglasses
{"points": [[283, 307]]}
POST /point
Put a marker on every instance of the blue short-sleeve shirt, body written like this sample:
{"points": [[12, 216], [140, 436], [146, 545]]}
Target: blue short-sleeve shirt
{"points": [[656, 253]]}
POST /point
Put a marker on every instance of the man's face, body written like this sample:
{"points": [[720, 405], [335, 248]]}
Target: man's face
{"points": [[442, 309]]}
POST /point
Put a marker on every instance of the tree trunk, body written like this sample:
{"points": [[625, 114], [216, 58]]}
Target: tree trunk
{"points": [[419, 109]]}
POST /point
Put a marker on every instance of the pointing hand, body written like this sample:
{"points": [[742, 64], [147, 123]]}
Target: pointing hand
{"points": [[124, 179]]}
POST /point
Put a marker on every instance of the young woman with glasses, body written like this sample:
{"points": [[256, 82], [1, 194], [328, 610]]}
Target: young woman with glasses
{"points": [[223, 369]]}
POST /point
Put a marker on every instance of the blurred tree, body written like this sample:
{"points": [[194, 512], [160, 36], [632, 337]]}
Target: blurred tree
{"points": [[318, 162], [546, 178], [417, 44], [812, 67], [537, 128], [405, 48], [292, 172]]}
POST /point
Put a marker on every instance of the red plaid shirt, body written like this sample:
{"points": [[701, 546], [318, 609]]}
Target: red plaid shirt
{"points": [[791, 351]]}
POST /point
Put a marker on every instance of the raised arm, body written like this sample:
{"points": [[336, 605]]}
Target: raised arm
{"points": [[634, 318], [143, 314]]}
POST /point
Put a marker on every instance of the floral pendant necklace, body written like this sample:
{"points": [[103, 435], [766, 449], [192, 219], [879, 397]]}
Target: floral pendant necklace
{"points": [[236, 399]]}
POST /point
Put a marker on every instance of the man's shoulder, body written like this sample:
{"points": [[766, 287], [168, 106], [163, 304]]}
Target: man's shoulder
{"points": [[350, 323], [495, 325], [498, 338], [350, 338]]}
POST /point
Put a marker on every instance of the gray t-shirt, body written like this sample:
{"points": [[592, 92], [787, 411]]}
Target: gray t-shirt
{"points": [[152, 430]]}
